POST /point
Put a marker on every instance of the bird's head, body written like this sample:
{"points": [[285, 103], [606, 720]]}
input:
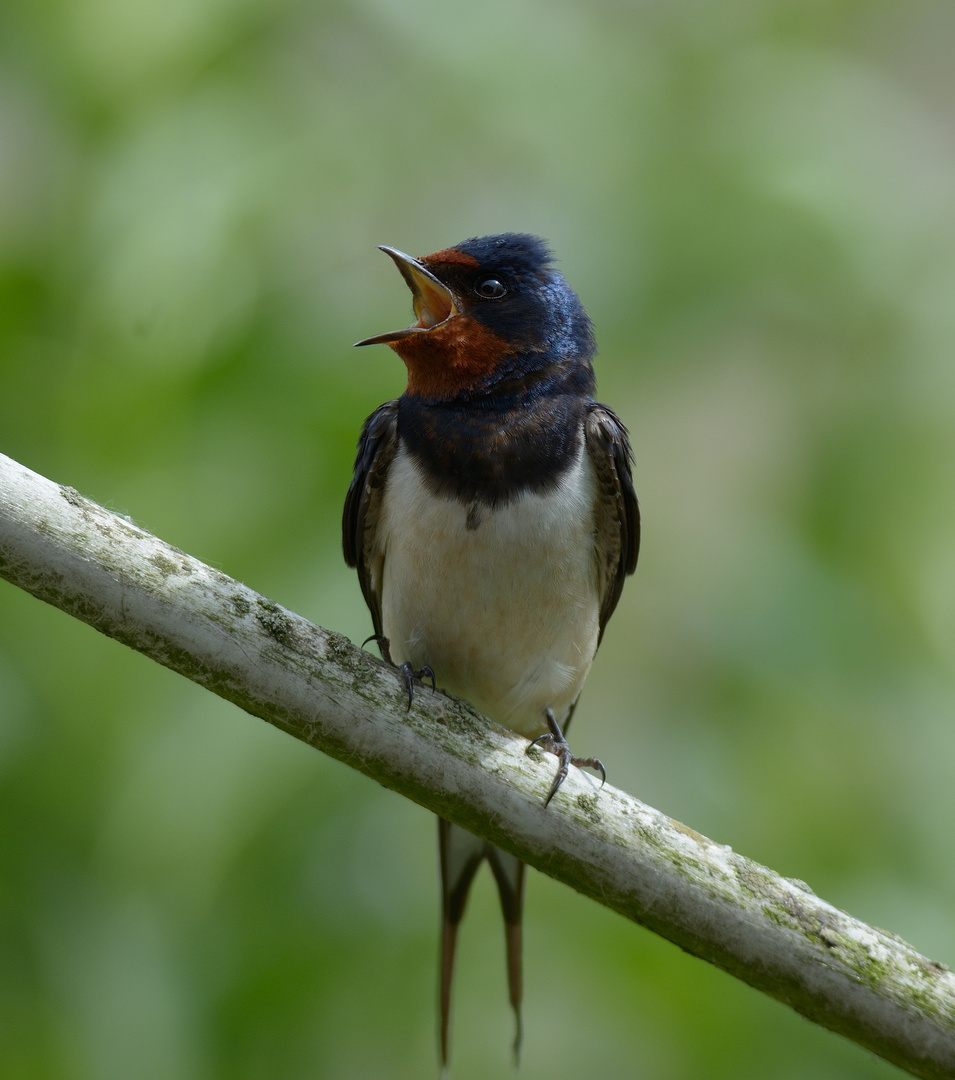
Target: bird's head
{"points": [[489, 310]]}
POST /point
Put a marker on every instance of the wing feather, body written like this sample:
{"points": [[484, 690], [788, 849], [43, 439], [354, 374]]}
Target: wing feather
{"points": [[376, 451], [617, 532]]}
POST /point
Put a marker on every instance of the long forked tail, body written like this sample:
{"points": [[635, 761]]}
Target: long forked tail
{"points": [[461, 854]]}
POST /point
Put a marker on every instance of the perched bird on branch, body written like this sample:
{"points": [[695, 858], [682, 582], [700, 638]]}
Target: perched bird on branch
{"points": [[492, 519]]}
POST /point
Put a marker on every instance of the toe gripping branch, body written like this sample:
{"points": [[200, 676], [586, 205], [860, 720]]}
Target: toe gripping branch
{"points": [[555, 742], [411, 677], [407, 670]]}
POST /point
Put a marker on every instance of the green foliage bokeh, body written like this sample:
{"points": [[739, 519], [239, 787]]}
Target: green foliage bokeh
{"points": [[754, 200]]}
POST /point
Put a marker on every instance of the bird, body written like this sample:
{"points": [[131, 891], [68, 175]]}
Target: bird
{"points": [[492, 520]]}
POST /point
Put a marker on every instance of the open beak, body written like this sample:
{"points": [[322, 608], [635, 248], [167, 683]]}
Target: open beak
{"points": [[433, 300]]}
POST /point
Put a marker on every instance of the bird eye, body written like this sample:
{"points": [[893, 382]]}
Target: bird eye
{"points": [[490, 288]]}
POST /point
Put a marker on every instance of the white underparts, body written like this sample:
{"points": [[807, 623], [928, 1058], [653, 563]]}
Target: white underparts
{"points": [[502, 604]]}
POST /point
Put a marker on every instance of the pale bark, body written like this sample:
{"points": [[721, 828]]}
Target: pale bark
{"points": [[773, 933]]}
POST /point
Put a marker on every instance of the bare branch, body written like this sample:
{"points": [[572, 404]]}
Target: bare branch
{"points": [[772, 932]]}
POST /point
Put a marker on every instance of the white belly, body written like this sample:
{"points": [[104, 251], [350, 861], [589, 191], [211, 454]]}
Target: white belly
{"points": [[506, 612]]}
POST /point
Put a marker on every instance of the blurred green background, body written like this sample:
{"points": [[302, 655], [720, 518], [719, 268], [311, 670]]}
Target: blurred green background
{"points": [[755, 201]]}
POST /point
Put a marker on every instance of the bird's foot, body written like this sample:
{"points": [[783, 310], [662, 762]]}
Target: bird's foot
{"points": [[555, 742], [411, 676], [384, 647], [407, 670]]}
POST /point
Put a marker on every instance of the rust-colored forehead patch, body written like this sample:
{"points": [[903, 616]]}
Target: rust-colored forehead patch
{"points": [[449, 257]]}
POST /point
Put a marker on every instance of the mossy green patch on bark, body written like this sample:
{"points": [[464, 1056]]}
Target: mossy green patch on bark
{"points": [[166, 566]]}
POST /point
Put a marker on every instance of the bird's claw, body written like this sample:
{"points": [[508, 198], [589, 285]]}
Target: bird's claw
{"points": [[555, 742], [411, 677], [408, 672], [380, 640]]}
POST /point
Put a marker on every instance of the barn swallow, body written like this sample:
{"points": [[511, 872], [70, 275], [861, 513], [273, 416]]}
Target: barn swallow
{"points": [[492, 520]]}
